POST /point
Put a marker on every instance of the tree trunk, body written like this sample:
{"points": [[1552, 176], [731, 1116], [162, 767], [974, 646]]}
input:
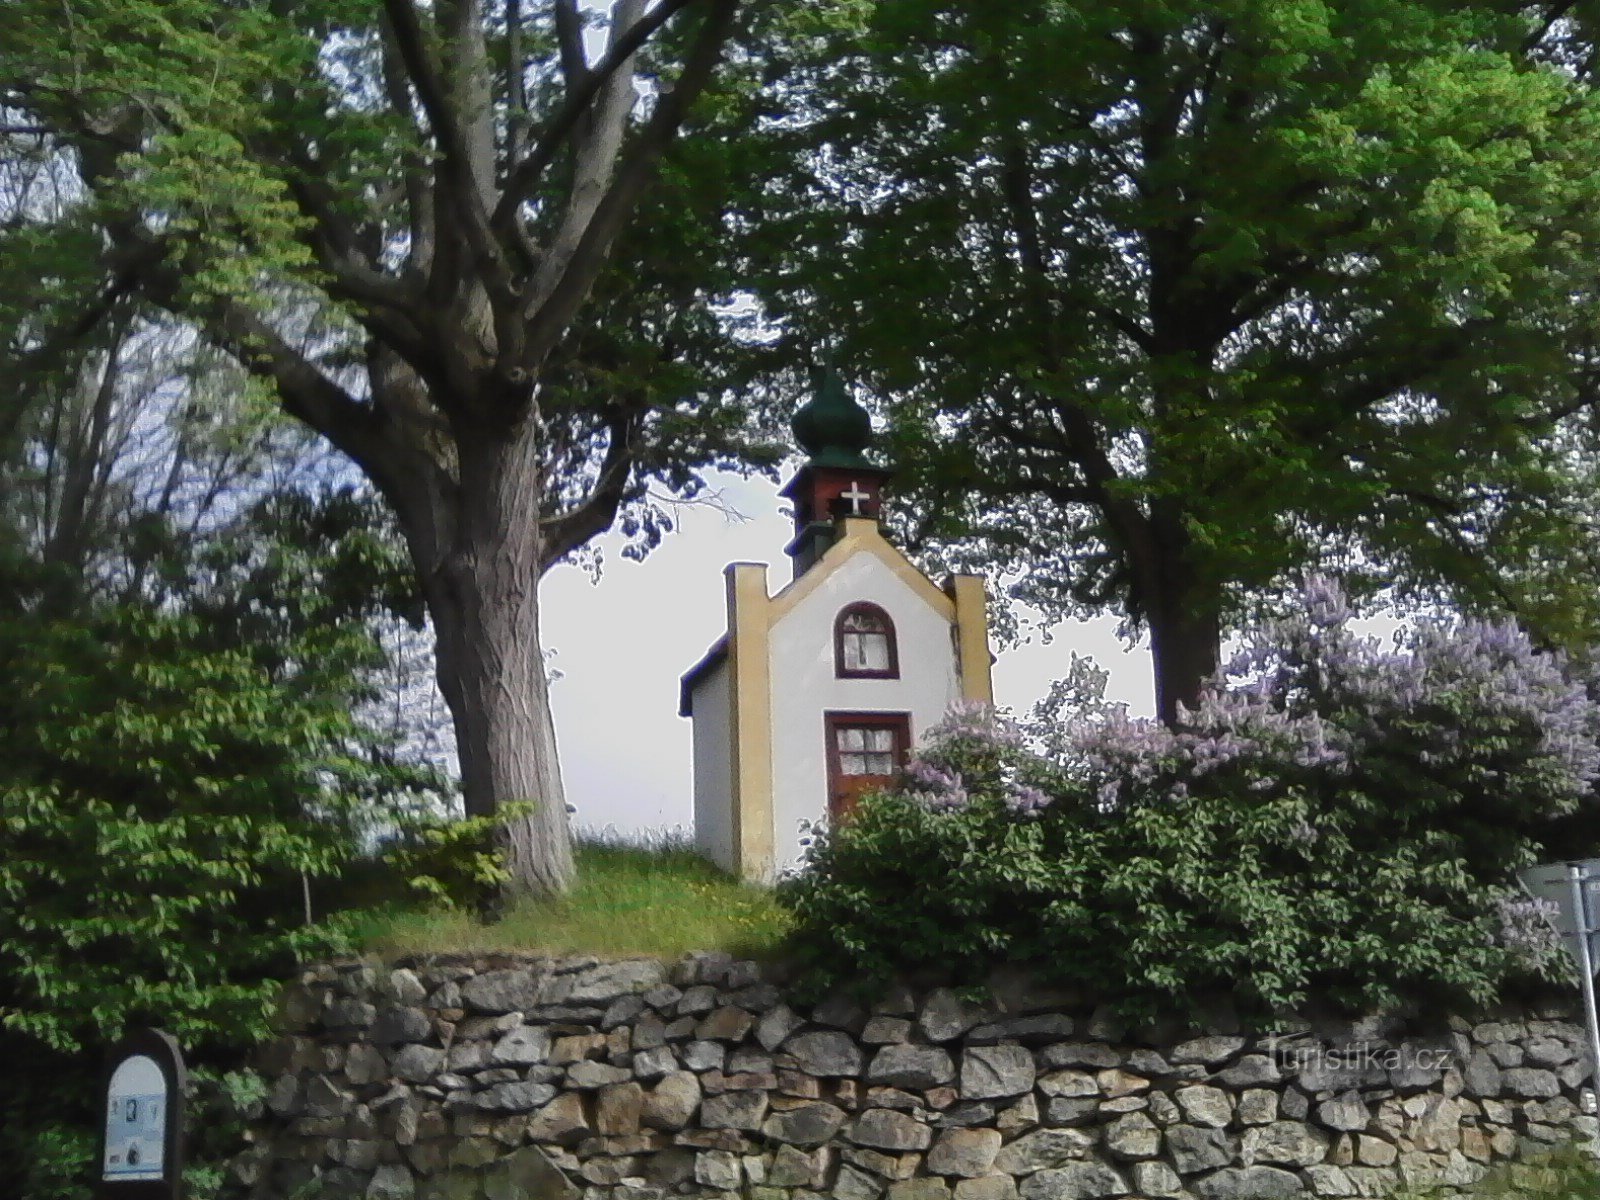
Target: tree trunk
{"points": [[1184, 613], [485, 607], [1185, 642]]}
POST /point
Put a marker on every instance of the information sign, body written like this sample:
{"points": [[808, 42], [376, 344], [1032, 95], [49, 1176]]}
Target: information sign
{"points": [[141, 1145]]}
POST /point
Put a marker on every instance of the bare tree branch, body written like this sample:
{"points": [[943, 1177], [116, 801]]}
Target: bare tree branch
{"points": [[557, 308], [523, 175]]}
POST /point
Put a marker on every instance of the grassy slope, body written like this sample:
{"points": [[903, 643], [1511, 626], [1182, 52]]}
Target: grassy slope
{"points": [[1568, 1174], [661, 902]]}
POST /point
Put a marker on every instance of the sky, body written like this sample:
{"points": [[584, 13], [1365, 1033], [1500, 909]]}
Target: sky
{"points": [[621, 645]]}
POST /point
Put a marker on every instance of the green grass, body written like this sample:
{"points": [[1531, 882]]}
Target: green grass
{"points": [[1570, 1173], [661, 900]]}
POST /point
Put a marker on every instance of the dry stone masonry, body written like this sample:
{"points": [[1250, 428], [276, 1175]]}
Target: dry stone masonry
{"points": [[585, 1080]]}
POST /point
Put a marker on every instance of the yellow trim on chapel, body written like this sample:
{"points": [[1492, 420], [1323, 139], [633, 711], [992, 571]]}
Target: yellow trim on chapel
{"points": [[972, 637], [750, 718]]}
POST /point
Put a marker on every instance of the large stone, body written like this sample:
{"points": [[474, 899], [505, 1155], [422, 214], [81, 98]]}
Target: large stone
{"points": [[1041, 1149], [1204, 1105], [604, 983], [911, 1066], [1329, 1180], [717, 1169], [994, 1072], [1079, 1054], [1018, 1117], [1375, 1152], [919, 1189], [888, 1166], [364, 1065], [586, 1075], [1156, 1179], [1285, 1142], [883, 1031], [576, 1047], [1530, 1083], [394, 1025], [1545, 1051], [794, 1167], [1257, 1106], [655, 1062], [775, 1025], [522, 1047], [501, 991], [990, 1187], [1069, 1083], [969, 1153], [945, 1016], [1346, 1112], [1074, 1181], [1116, 1083], [808, 1125], [673, 1102], [1481, 1076], [886, 1129], [392, 1181], [1251, 1070], [727, 1024], [514, 1097], [418, 1064], [1248, 1183], [825, 1053], [1194, 1150], [734, 1110], [852, 1183], [1206, 1051], [562, 1121], [1133, 1136], [704, 1056], [618, 1108]]}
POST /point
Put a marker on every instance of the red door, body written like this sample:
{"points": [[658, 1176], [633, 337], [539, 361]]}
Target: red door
{"points": [[866, 752]]}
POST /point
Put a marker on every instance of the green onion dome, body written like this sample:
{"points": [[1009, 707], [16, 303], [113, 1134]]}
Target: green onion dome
{"points": [[831, 427]]}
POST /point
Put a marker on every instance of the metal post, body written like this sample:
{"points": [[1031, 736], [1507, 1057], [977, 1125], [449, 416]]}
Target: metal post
{"points": [[1580, 920]]}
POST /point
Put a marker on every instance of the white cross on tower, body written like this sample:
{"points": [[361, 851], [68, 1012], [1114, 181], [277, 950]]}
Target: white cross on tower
{"points": [[856, 497]]}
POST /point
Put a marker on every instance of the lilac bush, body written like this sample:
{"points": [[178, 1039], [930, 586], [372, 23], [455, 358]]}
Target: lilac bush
{"points": [[1338, 818]]}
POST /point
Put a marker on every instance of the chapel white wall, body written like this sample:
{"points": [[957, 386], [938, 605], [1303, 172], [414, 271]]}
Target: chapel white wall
{"points": [[713, 768], [804, 686]]}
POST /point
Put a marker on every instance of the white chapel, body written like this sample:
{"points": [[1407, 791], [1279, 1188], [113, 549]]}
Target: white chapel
{"points": [[819, 692]]}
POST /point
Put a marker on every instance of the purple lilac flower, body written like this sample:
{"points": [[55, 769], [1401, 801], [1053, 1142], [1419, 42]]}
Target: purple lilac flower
{"points": [[1025, 800]]}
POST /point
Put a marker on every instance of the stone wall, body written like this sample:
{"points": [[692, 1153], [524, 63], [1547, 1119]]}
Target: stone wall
{"points": [[638, 1081]]}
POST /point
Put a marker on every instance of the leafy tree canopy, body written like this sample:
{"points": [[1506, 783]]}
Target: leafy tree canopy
{"points": [[1172, 301]]}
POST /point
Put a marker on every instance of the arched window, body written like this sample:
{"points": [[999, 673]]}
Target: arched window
{"points": [[863, 644]]}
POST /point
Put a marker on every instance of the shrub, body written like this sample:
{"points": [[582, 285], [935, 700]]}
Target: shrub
{"points": [[161, 804], [1335, 821]]}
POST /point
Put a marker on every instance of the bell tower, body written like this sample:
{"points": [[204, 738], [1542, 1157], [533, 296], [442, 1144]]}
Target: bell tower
{"points": [[837, 480]]}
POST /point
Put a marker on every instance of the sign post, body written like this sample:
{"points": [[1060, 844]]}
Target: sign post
{"points": [[142, 1134], [1572, 891]]}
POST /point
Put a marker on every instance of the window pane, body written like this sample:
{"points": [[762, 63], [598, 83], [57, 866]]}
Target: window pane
{"points": [[855, 657], [880, 764], [859, 622], [880, 739], [874, 651], [852, 739], [853, 764]]}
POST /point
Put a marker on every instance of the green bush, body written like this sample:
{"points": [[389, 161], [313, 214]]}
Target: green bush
{"points": [[1337, 824]]}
